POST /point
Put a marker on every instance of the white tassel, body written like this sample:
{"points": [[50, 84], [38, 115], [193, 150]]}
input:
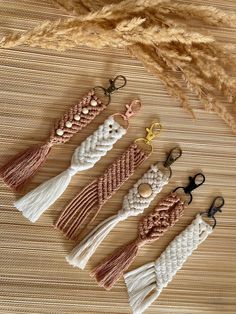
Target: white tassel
{"points": [[145, 283], [81, 254], [133, 205], [33, 204]]}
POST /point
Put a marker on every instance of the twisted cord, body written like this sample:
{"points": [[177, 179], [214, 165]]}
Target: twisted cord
{"points": [[94, 195], [133, 204], [145, 283]]}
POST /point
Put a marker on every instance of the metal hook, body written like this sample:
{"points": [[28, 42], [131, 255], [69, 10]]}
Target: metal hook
{"points": [[132, 108], [152, 132], [173, 155], [113, 86], [192, 185], [214, 209]]}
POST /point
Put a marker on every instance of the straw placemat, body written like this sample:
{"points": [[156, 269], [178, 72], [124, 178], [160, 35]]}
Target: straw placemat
{"points": [[36, 87]]}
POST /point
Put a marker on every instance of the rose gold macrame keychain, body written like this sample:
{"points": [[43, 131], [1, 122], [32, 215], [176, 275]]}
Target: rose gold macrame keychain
{"points": [[23, 166], [151, 227], [87, 204]]}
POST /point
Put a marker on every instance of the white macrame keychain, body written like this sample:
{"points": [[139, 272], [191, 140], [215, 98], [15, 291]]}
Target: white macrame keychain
{"points": [[85, 156], [135, 202], [145, 283]]}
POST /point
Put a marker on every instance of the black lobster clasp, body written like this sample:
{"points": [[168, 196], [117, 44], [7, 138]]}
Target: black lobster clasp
{"points": [[194, 183], [215, 207]]}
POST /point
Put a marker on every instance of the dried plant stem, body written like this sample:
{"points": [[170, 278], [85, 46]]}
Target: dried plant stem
{"points": [[159, 33]]}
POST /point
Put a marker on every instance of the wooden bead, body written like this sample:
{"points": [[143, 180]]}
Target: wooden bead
{"points": [[93, 103], [145, 190], [77, 117], [68, 124], [59, 132], [85, 110]]}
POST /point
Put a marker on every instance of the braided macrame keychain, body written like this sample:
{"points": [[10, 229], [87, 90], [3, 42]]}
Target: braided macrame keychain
{"points": [[145, 283], [23, 166], [86, 205], [151, 227], [85, 156], [135, 202]]}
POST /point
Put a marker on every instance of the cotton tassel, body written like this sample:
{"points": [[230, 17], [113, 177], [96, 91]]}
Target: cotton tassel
{"points": [[33, 204], [151, 228], [134, 203], [93, 196], [81, 254], [145, 283], [22, 167]]}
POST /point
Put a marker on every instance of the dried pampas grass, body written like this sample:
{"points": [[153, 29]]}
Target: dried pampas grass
{"points": [[160, 33]]}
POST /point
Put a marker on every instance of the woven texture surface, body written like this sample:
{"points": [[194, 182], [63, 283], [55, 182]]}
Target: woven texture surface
{"points": [[37, 86]]}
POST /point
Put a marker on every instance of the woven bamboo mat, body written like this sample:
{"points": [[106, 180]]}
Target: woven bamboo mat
{"points": [[36, 87]]}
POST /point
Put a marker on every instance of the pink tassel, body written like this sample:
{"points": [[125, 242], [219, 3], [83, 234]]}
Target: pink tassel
{"points": [[113, 268], [23, 166]]}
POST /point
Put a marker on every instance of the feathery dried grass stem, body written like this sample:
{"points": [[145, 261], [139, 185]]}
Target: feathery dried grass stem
{"points": [[159, 33]]}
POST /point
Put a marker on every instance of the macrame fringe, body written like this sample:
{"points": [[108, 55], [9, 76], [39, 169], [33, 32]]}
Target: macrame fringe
{"points": [[141, 285], [71, 218], [33, 204], [18, 170], [110, 270], [81, 254]]}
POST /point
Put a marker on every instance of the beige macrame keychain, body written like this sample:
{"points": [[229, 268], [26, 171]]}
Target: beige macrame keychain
{"points": [[145, 284], [151, 227], [85, 156], [23, 166], [138, 198], [86, 205]]}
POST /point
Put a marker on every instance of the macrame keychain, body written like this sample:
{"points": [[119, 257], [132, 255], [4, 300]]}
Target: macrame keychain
{"points": [[86, 205], [23, 166], [135, 202], [85, 156], [145, 283], [151, 227]]}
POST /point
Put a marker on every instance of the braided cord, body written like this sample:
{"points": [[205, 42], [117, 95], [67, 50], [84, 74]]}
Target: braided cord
{"points": [[97, 145], [177, 252]]}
